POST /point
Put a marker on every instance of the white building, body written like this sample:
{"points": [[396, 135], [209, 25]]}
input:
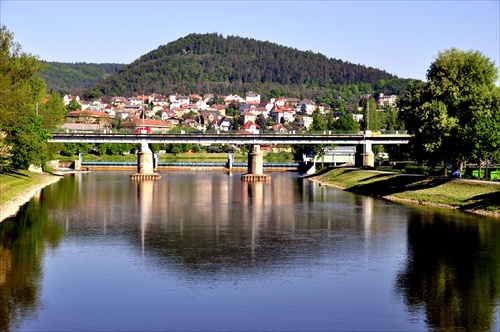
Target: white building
{"points": [[306, 121], [307, 106], [252, 97]]}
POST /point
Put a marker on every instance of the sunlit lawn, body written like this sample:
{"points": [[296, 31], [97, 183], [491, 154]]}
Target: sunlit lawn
{"points": [[438, 190], [13, 183]]}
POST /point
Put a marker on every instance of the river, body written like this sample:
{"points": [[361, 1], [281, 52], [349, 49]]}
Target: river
{"points": [[203, 251]]}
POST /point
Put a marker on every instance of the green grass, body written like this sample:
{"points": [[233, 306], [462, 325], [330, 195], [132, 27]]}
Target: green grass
{"points": [[13, 183], [459, 193]]}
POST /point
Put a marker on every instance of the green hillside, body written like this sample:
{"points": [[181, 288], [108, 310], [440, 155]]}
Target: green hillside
{"points": [[74, 78], [211, 63]]}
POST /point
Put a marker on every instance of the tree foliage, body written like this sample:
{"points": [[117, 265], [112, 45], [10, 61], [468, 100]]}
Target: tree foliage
{"points": [[210, 63], [319, 122], [29, 143], [455, 115], [370, 119], [345, 123], [20, 90], [52, 112], [5, 151], [73, 105], [74, 78]]}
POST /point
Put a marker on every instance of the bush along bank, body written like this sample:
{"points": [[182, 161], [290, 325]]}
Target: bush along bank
{"points": [[472, 196]]}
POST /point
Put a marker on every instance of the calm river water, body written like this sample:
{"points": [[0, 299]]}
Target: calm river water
{"points": [[203, 251]]}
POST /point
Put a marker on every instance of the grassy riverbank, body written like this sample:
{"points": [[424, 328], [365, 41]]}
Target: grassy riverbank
{"points": [[467, 195], [17, 188]]}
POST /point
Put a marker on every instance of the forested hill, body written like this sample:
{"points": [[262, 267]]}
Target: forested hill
{"points": [[210, 63], [71, 78]]}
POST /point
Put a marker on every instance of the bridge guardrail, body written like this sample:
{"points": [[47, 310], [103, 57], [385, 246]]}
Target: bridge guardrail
{"points": [[232, 132]]}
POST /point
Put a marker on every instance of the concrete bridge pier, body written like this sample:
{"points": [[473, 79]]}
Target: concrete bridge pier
{"points": [[364, 155], [255, 166], [145, 165], [368, 157]]}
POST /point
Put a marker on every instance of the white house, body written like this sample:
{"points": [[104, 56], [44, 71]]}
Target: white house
{"points": [[306, 121], [229, 99], [179, 99], [159, 100], [307, 106], [250, 127], [252, 97], [282, 113], [387, 100]]}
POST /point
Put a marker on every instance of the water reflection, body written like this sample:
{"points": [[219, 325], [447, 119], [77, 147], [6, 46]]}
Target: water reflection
{"points": [[145, 194], [453, 270], [22, 248], [328, 253]]}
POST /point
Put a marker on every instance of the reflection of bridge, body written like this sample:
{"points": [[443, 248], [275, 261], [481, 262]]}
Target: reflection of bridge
{"points": [[364, 139]]}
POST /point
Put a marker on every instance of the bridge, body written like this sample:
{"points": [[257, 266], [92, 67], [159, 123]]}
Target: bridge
{"points": [[255, 161], [326, 137]]}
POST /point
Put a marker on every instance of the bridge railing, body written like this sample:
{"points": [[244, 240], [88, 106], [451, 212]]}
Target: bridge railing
{"points": [[233, 132]]}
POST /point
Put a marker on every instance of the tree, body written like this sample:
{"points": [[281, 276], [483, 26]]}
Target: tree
{"points": [[318, 123], [454, 116], [29, 143], [261, 122], [20, 90], [330, 120], [71, 149], [37, 89], [370, 115], [74, 105], [345, 123], [52, 112], [5, 151]]}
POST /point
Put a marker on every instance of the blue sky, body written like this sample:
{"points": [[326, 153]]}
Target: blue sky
{"points": [[400, 37]]}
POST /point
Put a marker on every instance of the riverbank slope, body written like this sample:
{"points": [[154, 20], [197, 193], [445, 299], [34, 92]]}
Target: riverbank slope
{"points": [[480, 197], [18, 187]]}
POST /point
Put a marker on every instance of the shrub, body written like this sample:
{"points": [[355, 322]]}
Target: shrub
{"points": [[413, 169]]}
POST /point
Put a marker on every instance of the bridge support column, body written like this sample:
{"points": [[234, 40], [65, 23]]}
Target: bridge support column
{"points": [[145, 165], [368, 157], [255, 166]]}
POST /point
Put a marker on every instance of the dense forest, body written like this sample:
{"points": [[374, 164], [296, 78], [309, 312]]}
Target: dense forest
{"points": [[74, 78], [210, 63]]}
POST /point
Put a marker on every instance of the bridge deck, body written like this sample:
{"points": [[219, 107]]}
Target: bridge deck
{"points": [[231, 138]]}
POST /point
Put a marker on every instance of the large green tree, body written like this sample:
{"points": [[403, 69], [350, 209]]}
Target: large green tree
{"points": [[370, 115], [345, 123], [20, 91], [455, 115], [52, 112], [318, 123]]}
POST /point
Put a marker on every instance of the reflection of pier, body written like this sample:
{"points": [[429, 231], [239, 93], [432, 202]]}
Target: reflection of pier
{"points": [[145, 191], [253, 197]]}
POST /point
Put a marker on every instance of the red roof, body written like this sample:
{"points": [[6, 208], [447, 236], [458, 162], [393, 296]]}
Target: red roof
{"points": [[249, 124]]}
